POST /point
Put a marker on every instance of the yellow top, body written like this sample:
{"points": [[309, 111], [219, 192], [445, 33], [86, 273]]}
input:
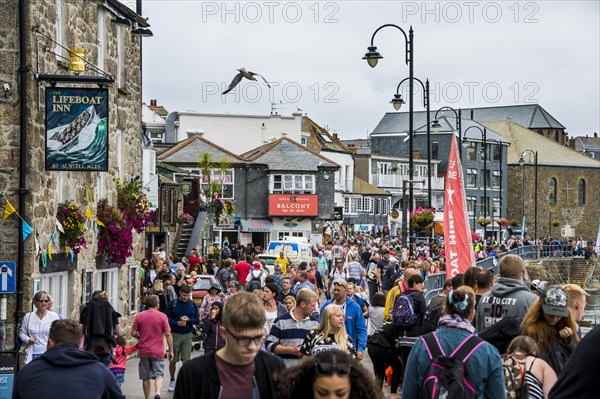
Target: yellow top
{"points": [[283, 262]]}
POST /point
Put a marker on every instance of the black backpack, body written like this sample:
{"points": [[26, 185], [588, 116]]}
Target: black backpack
{"points": [[446, 376], [432, 317], [255, 283], [501, 333]]}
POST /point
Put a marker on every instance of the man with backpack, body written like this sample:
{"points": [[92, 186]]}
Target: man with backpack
{"points": [[256, 278], [224, 274]]}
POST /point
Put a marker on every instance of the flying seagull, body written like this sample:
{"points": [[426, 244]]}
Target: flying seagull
{"points": [[244, 74]]}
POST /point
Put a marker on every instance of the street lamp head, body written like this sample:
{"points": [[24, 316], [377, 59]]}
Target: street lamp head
{"points": [[397, 101], [435, 125], [372, 56]]}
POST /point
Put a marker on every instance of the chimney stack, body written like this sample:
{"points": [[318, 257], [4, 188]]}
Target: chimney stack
{"points": [[153, 103], [335, 136]]}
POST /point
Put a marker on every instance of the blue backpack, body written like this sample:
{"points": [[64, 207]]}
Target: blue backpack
{"points": [[446, 376], [404, 313]]}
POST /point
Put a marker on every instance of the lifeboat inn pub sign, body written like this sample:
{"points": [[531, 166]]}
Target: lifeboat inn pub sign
{"points": [[76, 129]]}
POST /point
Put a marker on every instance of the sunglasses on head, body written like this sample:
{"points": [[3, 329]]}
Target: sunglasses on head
{"points": [[329, 369]]}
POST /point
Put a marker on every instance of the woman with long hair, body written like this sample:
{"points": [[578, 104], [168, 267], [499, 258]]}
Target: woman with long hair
{"points": [[330, 334], [455, 329], [549, 322], [331, 373], [539, 375]]}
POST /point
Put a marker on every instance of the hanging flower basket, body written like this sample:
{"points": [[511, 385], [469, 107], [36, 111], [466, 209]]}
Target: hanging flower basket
{"points": [[421, 219], [502, 222], [134, 205], [483, 221], [73, 222], [115, 236], [185, 218], [556, 223], [514, 222]]}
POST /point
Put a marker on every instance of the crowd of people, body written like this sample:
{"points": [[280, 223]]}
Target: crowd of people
{"points": [[305, 329]]}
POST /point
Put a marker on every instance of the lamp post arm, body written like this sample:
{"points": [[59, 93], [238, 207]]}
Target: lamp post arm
{"points": [[407, 47], [425, 89]]}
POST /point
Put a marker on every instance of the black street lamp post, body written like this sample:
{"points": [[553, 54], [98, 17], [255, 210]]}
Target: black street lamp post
{"points": [[397, 102], [535, 188], [372, 57], [484, 149], [458, 122]]}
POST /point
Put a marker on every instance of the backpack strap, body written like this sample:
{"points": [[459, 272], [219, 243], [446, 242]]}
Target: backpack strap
{"points": [[433, 346], [467, 347]]}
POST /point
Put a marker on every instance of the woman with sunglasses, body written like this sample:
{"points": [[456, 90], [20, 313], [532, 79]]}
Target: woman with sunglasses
{"points": [[327, 374], [331, 334], [36, 326]]}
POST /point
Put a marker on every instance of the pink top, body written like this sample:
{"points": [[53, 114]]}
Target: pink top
{"points": [[152, 325], [122, 358]]}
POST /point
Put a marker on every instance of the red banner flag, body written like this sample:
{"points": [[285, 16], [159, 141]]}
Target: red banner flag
{"points": [[457, 234]]}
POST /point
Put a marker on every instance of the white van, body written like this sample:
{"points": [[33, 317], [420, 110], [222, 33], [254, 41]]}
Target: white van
{"points": [[296, 249]]}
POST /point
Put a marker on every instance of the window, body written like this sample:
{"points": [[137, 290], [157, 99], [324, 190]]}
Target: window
{"points": [[471, 153], [496, 178], [384, 168], [496, 153], [168, 206], [471, 178], [581, 192], [108, 280], [303, 141], [292, 184], [225, 181], [133, 279], [484, 152], [435, 150], [55, 284], [385, 206], [88, 286], [367, 205], [352, 205], [282, 234], [420, 171], [496, 207], [551, 191], [471, 203]]}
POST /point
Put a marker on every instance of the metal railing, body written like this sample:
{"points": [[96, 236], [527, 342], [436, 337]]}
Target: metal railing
{"points": [[434, 284]]}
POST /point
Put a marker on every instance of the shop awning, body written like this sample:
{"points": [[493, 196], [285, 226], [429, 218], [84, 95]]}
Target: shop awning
{"points": [[256, 226]]}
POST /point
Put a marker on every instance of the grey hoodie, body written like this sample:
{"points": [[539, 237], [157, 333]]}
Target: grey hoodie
{"points": [[507, 298]]}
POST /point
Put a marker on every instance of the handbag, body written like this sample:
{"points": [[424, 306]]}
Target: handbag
{"points": [[20, 345]]}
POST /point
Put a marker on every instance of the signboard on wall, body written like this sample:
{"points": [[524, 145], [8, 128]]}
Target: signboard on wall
{"points": [[293, 205], [76, 129]]}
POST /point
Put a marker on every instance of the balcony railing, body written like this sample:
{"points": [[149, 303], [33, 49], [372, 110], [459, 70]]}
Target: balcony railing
{"points": [[395, 181]]}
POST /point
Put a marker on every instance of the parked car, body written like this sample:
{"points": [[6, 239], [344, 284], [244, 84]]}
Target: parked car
{"points": [[200, 288], [270, 259]]}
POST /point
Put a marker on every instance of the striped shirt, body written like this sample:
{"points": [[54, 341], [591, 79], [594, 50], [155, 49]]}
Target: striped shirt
{"points": [[288, 331]]}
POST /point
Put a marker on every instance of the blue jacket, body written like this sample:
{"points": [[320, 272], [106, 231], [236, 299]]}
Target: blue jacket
{"points": [[64, 371], [355, 323], [177, 308], [484, 367]]}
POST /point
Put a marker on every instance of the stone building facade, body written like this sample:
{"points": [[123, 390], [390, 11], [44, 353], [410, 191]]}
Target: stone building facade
{"points": [[105, 29]]}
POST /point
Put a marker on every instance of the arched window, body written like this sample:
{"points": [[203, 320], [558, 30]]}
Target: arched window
{"points": [[552, 191], [581, 192]]}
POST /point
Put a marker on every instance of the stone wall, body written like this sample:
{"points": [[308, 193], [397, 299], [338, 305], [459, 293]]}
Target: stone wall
{"points": [[583, 218], [44, 188]]}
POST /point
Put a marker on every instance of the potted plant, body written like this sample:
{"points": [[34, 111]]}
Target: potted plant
{"points": [[73, 222], [421, 219], [502, 222], [483, 221]]}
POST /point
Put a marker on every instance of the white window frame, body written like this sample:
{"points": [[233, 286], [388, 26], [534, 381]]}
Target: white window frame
{"points": [[57, 285], [101, 39], [367, 205], [496, 179], [108, 280], [469, 201], [119, 153], [496, 206], [384, 168], [292, 184], [471, 172], [133, 288], [282, 234], [217, 175], [120, 56]]}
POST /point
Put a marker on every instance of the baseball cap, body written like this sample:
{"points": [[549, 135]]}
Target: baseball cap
{"points": [[554, 301], [393, 259]]}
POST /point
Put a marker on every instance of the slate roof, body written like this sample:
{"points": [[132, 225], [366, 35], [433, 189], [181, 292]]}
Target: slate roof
{"points": [[587, 143], [549, 152], [286, 154], [326, 141], [365, 188], [190, 150], [532, 116]]}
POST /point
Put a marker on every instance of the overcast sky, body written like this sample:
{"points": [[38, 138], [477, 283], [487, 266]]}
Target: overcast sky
{"points": [[474, 53]]}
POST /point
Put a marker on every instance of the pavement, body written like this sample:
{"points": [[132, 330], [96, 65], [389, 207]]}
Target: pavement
{"points": [[132, 388]]}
